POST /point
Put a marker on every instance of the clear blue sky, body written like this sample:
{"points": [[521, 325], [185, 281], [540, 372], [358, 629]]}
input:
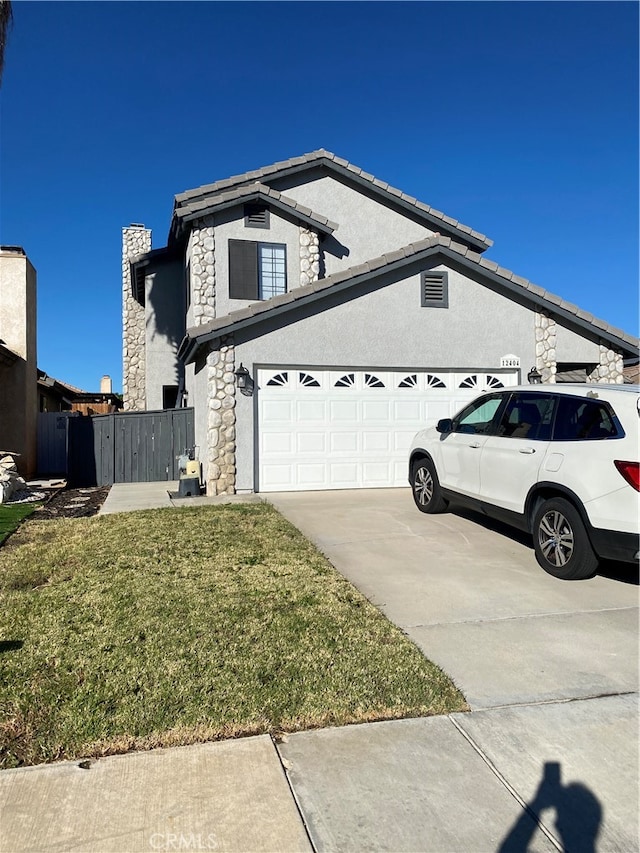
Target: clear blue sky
{"points": [[519, 119]]}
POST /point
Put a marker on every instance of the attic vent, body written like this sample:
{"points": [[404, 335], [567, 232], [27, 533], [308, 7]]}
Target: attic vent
{"points": [[434, 289], [256, 216]]}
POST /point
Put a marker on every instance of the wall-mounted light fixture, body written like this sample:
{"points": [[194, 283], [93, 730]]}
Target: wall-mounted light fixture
{"points": [[244, 381], [534, 376]]}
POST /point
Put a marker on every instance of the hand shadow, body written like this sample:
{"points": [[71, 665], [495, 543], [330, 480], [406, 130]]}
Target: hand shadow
{"points": [[578, 815]]}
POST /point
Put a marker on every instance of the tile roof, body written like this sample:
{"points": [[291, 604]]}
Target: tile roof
{"points": [[250, 192], [342, 166], [436, 244]]}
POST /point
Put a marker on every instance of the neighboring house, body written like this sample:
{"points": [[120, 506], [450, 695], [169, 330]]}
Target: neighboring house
{"points": [[18, 357], [57, 396], [351, 313]]}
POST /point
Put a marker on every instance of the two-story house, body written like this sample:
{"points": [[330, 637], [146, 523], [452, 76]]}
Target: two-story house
{"points": [[316, 317]]}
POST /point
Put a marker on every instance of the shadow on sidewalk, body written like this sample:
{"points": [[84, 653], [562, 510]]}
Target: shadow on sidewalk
{"points": [[578, 815]]}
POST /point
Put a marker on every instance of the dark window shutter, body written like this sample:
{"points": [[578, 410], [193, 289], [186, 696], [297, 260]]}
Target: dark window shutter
{"points": [[434, 290], [243, 269]]}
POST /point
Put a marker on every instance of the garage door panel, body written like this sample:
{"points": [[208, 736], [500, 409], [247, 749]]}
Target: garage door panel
{"points": [[373, 442], [343, 442], [343, 410], [276, 477], [407, 410], [276, 411], [343, 474], [376, 411], [277, 442], [312, 475], [377, 473], [311, 442], [351, 428], [310, 411]]}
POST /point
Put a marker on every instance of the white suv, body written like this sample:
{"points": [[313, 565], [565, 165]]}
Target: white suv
{"points": [[559, 461]]}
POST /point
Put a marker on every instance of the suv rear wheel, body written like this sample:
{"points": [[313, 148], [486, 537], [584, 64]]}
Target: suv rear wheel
{"points": [[561, 542], [426, 487]]}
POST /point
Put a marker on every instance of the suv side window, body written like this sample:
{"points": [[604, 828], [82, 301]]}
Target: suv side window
{"points": [[580, 419], [528, 415], [476, 419]]}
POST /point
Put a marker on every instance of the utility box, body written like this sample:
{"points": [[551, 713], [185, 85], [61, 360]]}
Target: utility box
{"points": [[189, 487]]}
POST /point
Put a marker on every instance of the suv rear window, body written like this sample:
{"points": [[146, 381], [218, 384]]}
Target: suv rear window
{"points": [[579, 419]]}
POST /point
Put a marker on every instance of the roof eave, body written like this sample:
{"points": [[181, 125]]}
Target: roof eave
{"points": [[326, 228]]}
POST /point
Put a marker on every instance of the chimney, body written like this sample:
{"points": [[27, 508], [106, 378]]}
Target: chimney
{"points": [[105, 385]]}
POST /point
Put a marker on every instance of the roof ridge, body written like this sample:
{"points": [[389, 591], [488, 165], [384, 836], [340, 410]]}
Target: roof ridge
{"points": [[341, 164]]}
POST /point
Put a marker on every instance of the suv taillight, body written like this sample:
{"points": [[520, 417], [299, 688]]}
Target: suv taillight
{"points": [[630, 471]]}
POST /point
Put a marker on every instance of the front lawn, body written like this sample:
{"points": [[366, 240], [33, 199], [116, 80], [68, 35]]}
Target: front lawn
{"points": [[11, 515], [173, 626]]}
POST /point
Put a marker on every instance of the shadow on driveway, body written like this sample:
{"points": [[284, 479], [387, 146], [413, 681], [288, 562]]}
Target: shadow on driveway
{"points": [[622, 572]]}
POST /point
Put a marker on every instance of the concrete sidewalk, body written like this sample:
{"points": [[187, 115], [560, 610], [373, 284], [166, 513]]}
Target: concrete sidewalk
{"points": [[126, 497]]}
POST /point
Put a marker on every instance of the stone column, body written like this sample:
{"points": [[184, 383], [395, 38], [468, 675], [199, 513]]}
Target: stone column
{"points": [[203, 270], [221, 423], [309, 256], [546, 346], [136, 240], [609, 368]]}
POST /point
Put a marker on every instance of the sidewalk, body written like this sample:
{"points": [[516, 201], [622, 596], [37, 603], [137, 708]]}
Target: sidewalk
{"points": [[125, 497]]}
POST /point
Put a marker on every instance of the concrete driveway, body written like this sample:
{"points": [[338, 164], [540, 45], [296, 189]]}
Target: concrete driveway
{"points": [[549, 668]]}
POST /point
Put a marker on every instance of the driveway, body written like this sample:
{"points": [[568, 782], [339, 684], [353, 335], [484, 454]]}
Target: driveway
{"points": [[548, 667]]}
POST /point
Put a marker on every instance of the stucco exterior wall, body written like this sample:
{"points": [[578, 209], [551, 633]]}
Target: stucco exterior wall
{"points": [[230, 226], [18, 381], [570, 346], [366, 228], [164, 313], [393, 331], [197, 385]]}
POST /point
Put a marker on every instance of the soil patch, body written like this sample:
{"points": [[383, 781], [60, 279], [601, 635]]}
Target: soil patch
{"points": [[72, 503]]}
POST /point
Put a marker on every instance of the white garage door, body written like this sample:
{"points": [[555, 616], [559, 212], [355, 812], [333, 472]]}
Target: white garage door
{"points": [[324, 429]]}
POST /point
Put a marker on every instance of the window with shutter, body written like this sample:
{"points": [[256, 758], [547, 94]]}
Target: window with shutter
{"points": [[434, 289], [256, 270]]}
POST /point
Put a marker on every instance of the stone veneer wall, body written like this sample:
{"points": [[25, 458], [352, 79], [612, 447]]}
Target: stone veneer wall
{"points": [[610, 368], [220, 460], [546, 346], [221, 419], [309, 256], [203, 270], [136, 240]]}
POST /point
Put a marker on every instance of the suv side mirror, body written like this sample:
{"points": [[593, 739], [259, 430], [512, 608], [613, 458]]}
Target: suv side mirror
{"points": [[445, 425]]}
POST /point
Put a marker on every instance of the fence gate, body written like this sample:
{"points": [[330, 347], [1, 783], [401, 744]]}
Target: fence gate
{"points": [[128, 447]]}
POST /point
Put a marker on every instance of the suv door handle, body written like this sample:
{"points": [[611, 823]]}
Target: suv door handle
{"points": [[475, 446], [527, 450]]}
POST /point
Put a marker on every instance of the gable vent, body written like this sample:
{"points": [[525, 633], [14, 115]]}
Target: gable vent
{"points": [[256, 216], [434, 290]]}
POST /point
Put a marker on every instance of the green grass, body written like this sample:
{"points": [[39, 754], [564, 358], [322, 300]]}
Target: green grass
{"points": [[175, 626], [11, 515]]}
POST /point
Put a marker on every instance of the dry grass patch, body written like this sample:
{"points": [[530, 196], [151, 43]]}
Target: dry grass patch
{"points": [[174, 626]]}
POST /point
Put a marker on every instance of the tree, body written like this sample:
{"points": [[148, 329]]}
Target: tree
{"points": [[6, 19]]}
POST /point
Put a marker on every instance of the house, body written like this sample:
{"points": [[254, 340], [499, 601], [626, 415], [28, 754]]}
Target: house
{"points": [[57, 396], [18, 358], [315, 318]]}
